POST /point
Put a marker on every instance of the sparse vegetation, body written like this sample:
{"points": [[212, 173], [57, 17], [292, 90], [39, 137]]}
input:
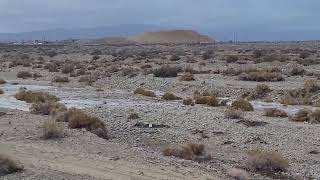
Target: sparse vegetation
{"points": [[170, 97], [166, 71], [273, 112], [34, 97], [144, 92], [24, 74], [208, 100], [51, 130], [305, 115], [47, 108], [268, 162], [187, 77], [188, 102], [194, 152], [242, 104], [8, 165], [59, 79], [232, 113]]}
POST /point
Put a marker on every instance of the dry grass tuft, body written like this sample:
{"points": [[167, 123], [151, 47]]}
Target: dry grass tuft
{"points": [[266, 161], [8, 165], [78, 119], [305, 115], [273, 112], [208, 100], [34, 97], [170, 97], [59, 79], [24, 74], [144, 92], [2, 81], [194, 152], [47, 108], [166, 71], [232, 113], [51, 130], [242, 104], [188, 102], [187, 77]]}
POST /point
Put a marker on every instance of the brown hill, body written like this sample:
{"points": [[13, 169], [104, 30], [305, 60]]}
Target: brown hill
{"points": [[171, 36]]}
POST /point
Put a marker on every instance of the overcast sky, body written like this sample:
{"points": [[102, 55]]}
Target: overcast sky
{"points": [[28, 15]]}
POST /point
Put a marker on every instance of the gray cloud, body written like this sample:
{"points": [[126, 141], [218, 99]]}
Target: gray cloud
{"points": [[27, 15]]}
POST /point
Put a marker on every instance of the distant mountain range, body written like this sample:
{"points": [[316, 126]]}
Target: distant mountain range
{"points": [[220, 34]]}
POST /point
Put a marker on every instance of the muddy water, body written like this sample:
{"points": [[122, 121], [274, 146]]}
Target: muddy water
{"points": [[76, 97]]}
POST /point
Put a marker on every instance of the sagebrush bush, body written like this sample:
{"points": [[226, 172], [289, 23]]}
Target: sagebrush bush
{"points": [[232, 113], [186, 151], [8, 165], [2, 81], [78, 119], [273, 112], [188, 102], [144, 92], [264, 161], [170, 97], [242, 104], [305, 115], [133, 116], [59, 79], [51, 130], [88, 79], [24, 74], [261, 76], [66, 69], [166, 71], [187, 77], [208, 100], [34, 97], [47, 108]]}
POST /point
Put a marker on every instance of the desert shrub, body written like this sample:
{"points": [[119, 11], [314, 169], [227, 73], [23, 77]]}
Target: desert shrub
{"points": [[208, 100], [175, 58], [88, 79], [34, 97], [273, 112], [166, 71], [95, 57], [187, 77], [2, 81], [261, 91], [47, 108], [232, 59], [232, 113], [208, 54], [130, 72], [170, 97], [24, 56], [146, 66], [50, 130], [238, 174], [8, 165], [311, 86], [24, 74], [96, 52], [289, 100], [1, 91], [78, 119], [305, 115], [268, 162], [235, 72], [242, 104], [144, 92], [51, 54], [133, 116], [66, 69], [60, 79], [51, 67], [261, 76], [297, 71], [194, 152], [188, 102]]}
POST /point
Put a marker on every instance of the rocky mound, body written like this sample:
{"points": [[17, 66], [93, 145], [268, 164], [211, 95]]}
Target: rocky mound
{"points": [[171, 36]]}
